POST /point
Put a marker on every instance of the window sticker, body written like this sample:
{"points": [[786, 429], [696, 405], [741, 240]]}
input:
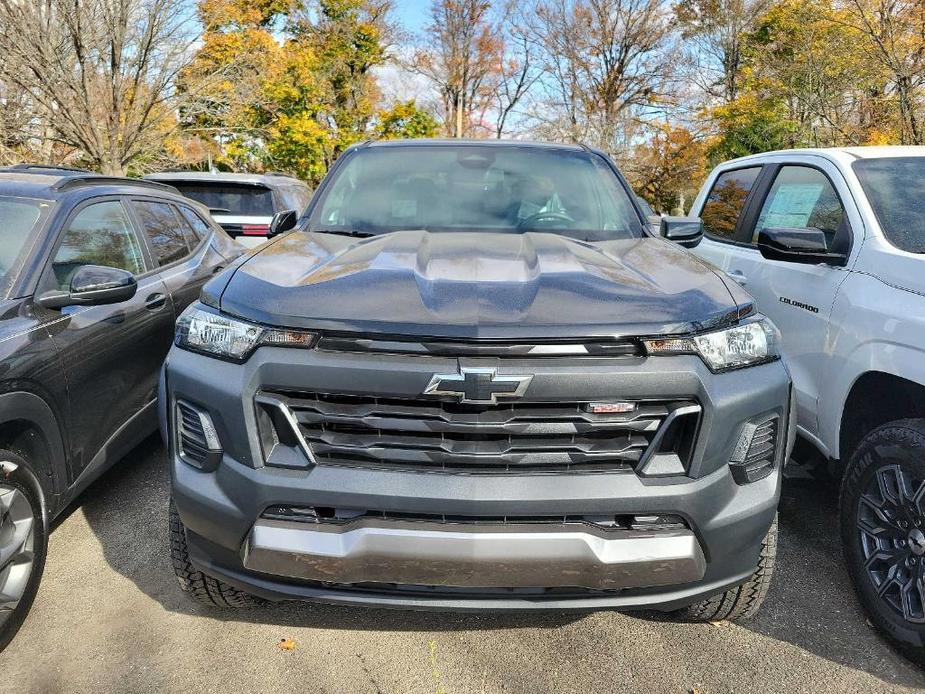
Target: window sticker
{"points": [[791, 206]]}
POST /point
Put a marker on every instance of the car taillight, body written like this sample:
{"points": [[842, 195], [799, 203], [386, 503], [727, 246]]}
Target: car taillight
{"points": [[255, 229]]}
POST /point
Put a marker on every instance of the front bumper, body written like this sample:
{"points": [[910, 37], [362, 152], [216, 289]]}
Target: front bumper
{"points": [[542, 566], [509, 556]]}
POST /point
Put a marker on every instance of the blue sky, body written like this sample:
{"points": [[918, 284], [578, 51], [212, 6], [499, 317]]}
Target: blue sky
{"points": [[412, 14]]}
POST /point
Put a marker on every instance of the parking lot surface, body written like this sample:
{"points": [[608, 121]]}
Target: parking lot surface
{"points": [[109, 617]]}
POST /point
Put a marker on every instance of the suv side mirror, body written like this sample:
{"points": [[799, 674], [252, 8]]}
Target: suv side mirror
{"points": [[798, 245], [283, 222], [685, 231], [93, 285]]}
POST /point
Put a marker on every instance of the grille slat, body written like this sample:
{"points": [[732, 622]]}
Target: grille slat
{"points": [[518, 426], [487, 447], [445, 435]]}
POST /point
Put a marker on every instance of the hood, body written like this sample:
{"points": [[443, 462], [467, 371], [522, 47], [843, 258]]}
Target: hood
{"points": [[478, 285]]}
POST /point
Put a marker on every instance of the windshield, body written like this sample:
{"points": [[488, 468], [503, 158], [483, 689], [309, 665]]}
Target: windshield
{"points": [[895, 187], [229, 198], [477, 188], [21, 218]]}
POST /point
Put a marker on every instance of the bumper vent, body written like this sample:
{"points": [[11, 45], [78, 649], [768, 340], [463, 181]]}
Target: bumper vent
{"points": [[197, 441], [756, 451], [448, 436]]}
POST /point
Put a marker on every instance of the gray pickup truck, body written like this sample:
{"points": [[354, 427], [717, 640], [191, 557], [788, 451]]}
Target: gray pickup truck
{"points": [[473, 379]]}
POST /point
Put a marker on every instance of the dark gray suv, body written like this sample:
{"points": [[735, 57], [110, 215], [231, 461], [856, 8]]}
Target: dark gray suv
{"points": [[473, 380], [93, 274]]}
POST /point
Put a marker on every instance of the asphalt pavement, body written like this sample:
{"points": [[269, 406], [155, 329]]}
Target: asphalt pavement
{"points": [[109, 617]]}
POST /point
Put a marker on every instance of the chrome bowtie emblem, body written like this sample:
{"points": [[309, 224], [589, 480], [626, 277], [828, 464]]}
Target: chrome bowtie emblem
{"points": [[478, 386]]}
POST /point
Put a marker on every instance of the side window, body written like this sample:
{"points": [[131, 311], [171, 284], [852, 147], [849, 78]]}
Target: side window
{"points": [[100, 234], [164, 230], [726, 201], [199, 226], [192, 238], [802, 197]]}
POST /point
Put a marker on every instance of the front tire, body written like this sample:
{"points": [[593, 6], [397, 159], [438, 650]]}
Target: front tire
{"points": [[882, 509], [744, 601], [202, 587], [23, 543]]}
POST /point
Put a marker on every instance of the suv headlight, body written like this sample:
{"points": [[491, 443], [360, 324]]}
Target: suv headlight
{"points": [[221, 336], [752, 342]]}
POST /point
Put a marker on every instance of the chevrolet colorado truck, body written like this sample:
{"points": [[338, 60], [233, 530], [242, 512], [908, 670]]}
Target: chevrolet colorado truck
{"points": [[830, 242], [472, 379]]}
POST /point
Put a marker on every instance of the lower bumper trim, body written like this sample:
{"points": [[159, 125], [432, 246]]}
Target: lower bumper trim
{"points": [[504, 556]]}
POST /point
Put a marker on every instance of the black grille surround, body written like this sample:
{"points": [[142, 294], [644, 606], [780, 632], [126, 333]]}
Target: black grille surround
{"points": [[440, 435], [756, 453], [193, 441]]}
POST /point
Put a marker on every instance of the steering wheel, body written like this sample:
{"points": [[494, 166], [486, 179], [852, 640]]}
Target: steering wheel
{"points": [[544, 219]]}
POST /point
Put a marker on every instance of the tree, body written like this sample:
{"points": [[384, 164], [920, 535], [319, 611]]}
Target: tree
{"points": [[99, 73], [518, 64], [461, 57], [405, 120], [349, 39], [714, 32], [750, 124], [669, 167], [607, 62], [299, 84], [892, 32], [807, 57]]}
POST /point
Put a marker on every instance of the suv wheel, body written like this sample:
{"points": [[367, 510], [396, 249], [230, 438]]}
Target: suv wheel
{"points": [[742, 602], [882, 506], [23, 544], [205, 589]]}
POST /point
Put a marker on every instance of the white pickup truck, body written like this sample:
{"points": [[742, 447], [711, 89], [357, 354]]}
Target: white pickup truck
{"points": [[831, 243]]}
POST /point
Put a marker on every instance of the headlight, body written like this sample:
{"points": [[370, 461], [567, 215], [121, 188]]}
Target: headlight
{"points": [[752, 342], [229, 338]]}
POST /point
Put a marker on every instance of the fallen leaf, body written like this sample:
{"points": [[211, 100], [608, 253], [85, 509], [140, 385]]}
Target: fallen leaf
{"points": [[286, 644]]}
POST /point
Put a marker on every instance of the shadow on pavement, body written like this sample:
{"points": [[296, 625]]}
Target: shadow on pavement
{"points": [[811, 604]]}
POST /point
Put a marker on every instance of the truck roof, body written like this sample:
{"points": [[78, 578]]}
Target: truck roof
{"points": [[451, 142], [842, 155]]}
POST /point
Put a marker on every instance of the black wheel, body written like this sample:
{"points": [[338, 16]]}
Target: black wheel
{"points": [[742, 602], [883, 530], [205, 589], [23, 543]]}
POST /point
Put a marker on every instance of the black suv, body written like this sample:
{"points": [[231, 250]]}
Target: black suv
{"points": [[475, 381], [93, 272]]}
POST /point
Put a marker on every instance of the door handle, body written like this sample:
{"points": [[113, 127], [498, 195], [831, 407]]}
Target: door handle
{"points": [[738, 276], [155, 301]]}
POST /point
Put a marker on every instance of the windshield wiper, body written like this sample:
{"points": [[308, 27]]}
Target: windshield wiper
{"points": [[356, 233]]}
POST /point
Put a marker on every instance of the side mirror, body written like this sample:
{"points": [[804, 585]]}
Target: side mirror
{"points": [[798, 245], [685, 231], [93, 285], [283, 222]]}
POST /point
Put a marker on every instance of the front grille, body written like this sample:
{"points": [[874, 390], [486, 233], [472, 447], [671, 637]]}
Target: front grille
{"points": [[446, 436]]}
